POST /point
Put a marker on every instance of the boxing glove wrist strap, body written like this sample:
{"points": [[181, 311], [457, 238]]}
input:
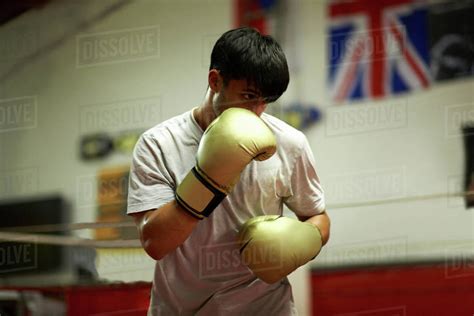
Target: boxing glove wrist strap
{"points": [[198, 195]]}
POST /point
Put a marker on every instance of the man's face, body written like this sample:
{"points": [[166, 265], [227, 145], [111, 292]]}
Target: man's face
{"points": [[238, 94]]}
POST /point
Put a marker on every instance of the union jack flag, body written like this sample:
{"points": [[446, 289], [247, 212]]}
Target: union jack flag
{"points": [[377, 48]]}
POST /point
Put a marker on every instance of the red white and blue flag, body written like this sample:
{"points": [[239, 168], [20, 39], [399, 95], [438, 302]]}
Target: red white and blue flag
{"points": [[377, 48]]}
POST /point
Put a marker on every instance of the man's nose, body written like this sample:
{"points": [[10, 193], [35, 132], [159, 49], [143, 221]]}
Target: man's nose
{"points": [[260, 107]]}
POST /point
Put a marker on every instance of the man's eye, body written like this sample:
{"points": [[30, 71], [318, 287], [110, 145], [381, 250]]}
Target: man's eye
{"points": [[248, 96]]}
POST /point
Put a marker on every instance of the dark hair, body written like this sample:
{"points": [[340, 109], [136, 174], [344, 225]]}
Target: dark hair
{"points": [[244, 53]]}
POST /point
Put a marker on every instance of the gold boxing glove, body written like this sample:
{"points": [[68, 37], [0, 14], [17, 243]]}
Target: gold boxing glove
{"points": [[273, 246], [231, 141]]}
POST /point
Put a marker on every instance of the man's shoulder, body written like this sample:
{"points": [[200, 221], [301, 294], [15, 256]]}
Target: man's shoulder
{"points": [[170, 125], [283, 131]]}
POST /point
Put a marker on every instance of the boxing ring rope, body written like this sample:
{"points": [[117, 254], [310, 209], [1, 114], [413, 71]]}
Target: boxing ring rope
{"points": [[12, 234], [69, 241], [403, 199]]}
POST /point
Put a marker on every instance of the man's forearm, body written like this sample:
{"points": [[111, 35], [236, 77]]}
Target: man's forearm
{"points": [[323, 223], [164, 229]]}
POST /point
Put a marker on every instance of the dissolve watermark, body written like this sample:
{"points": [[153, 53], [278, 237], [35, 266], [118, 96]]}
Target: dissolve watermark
{"points": [[18, 113], [377, 251], [456, 116], [220, 260], [459, 262], [366, 185], [17, 256], [369, 45], [133, 114], [226, 259], [19, 181], [118, 46], [92, 189], [355, 119], [122, 261]]}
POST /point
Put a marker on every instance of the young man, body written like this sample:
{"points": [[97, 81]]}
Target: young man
{"points": [[196, 180]]}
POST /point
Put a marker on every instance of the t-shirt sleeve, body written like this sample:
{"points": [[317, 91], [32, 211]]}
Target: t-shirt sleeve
{"points": [[150, 185], [306, 193]]}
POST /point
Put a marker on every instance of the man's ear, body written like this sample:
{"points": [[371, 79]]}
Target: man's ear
{"points": [[215, 80]]}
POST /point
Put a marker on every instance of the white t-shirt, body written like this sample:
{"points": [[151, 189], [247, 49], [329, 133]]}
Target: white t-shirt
{"points": [[205, 275]]}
